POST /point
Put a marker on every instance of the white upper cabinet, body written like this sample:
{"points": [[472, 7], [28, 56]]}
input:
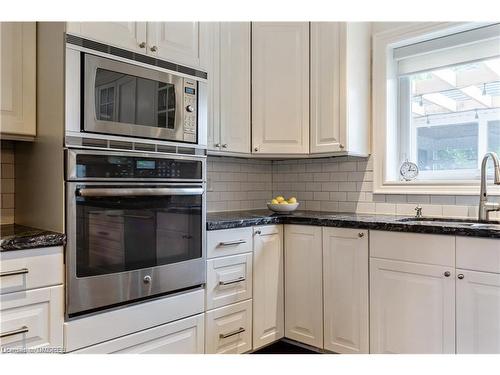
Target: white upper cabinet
{"points": [[128, 35], [303, 284], [412, 308], [229, 79], [18, 79], [345, 290], [340, 87], [179, 42], [235, 86], [175, 41], [280, 87], [268, 297]]}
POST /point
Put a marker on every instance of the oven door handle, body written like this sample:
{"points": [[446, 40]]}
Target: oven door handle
{"points": [[129, 192]]}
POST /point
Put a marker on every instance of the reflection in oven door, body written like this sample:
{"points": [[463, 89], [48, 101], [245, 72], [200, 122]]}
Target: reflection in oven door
{"points": [[114, 240]]}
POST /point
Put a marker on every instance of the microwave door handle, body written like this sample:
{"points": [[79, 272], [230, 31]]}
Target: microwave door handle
{"points": [[128, 192]]}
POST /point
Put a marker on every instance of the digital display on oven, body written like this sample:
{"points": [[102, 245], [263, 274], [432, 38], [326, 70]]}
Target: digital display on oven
{"points": [[189, 90], [145, 164]]}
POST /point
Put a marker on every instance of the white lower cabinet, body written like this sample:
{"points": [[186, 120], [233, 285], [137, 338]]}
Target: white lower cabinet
{"points": [[268, 291], [412, 307], [229, 280], [303, 284], [478, 312], [478, 295], [184, 336], [345, 290], [32, 319], [229, 329]]}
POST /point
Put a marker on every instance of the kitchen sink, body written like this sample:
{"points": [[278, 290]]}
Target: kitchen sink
{"points": [[495, 225]]}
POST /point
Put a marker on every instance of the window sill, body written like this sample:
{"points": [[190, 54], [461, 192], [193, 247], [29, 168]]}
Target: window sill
{"points": [[435, 188]]}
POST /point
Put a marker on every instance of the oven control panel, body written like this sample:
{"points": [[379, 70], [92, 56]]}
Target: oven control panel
{"points": [[90, 166], [190, 110]]}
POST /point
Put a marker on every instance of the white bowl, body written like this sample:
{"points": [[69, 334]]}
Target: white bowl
{"points": [[282, 207]]}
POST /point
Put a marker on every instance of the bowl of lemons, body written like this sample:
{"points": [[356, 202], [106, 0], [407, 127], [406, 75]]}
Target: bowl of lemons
{"points": [[280, 204]]}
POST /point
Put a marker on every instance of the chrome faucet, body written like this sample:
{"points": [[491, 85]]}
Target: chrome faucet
{"points": [[484, 206]]}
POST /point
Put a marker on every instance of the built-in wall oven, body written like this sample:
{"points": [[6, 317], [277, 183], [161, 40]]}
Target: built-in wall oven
{"points": [[115, 92], [135, 227]]}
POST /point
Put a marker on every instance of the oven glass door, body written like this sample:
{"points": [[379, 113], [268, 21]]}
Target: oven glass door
{"points": [[122, 229], [129, 100]]}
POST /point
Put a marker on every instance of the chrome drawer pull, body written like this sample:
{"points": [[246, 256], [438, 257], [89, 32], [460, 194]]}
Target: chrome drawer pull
{"points": [[232, 243], [14, 272], [226, 335], [238, 280], [18, 331]]}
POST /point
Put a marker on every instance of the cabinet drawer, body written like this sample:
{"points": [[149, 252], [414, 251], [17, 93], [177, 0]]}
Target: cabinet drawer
{"points": [[413, 247], [32, 268], [229, 242], [478, 254], [184, 336], [229, 329], [229, 280], [32, 319]]}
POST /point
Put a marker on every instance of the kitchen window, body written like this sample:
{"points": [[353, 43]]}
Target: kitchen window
{"points": [[442, 105]]}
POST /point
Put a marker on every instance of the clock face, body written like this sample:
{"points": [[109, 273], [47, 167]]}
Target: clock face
{"points": [[408, 170]]}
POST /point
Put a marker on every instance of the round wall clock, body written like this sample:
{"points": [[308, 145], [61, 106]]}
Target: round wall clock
{"points": [[408, 171]]}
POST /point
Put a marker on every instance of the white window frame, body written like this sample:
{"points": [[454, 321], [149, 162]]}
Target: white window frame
{"points": [[386, 132]]}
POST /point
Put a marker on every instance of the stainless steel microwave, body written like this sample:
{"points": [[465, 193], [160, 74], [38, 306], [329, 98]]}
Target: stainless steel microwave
{"points": [[125, 97]]}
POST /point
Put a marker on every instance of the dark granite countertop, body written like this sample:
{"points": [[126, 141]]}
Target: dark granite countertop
{"points": [[19, 237], [240, 219]]}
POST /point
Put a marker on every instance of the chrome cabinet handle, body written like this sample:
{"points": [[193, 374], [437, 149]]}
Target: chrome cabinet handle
{"points": [[18, 331], [232, 243], [142, 45], [224, 145], [217, 145], [258, 232], [153, 49], [147, 279], [256, 149], [361, 234], [447, 274], [238, 280], [14, 272], [341, 145], [233, 333], [460, 276]]}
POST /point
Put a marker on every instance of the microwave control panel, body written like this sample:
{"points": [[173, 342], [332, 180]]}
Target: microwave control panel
{"points": [[190, 110]]}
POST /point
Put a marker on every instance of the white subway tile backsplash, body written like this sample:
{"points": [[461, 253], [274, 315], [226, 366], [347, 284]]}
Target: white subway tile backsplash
{"points": [[333, 184]]}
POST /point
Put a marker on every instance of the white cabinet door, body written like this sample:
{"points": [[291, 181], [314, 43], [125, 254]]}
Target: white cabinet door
{"points": [[184, 336], [280, 87], [478, 312], [326, 132], [345, 290], [175, 41], [32, 319], [128, 35], [268, 297], [235, 87], [212, 56], [303, 284], [18, 82], [412, 308], [229, 280], [229, 329]]}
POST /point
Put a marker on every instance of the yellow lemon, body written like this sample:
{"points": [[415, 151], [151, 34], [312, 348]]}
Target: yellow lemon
{"points": [[280, 198], [283, 202], [274, 201], [292, 200]]}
